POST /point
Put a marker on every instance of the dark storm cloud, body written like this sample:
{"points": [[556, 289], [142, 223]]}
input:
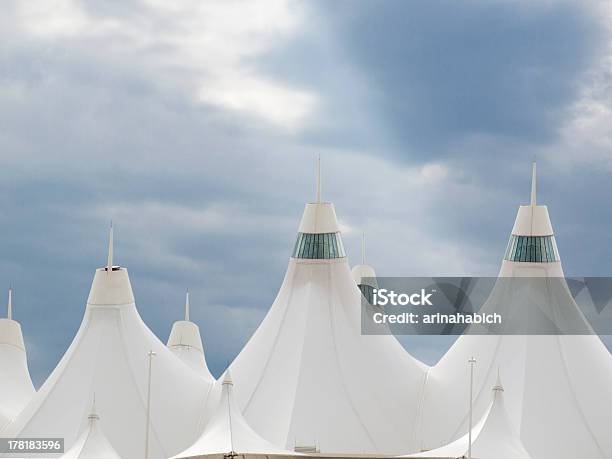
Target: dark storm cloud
{"points": [[446, 70], [436, 73]]}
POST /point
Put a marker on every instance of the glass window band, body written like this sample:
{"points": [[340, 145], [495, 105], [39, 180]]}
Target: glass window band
{"points": [[318, 246], [532, 249]]}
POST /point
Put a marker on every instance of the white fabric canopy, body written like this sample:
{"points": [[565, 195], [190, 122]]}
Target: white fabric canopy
{"points": [[109, 357], [228, 434], [559, 396], [307, 377], [493, 437], [92, 443], [186, 343], [16, 388]]}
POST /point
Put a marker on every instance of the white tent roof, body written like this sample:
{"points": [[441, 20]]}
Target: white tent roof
{"points": [[92, 443], [186, 343], [109, 357], [559, 396], [364, 274], [228, 434], [16, 387], [307, 377], [493, 437]]}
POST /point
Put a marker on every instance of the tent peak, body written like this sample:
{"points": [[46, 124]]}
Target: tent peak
{"points": [[93, 414], [227, 379], [498, 387]]}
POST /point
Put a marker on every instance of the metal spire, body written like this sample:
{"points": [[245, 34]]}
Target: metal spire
{"points": [[109, 263], [363, 248], [187, 305], [533, 184], [319, 179], [9, 308]]}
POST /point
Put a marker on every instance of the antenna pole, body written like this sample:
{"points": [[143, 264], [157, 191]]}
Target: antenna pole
{"points": [[109, 263], [533, 184], [187, 305], [148, 428], [319, 179], [9, 308], [472, 362], [363, 248]]}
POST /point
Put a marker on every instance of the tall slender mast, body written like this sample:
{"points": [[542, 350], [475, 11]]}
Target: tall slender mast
{"points": [[109, 263], [319, 178], [9, 308], [533, 184], [187, 305], [363, 257]]}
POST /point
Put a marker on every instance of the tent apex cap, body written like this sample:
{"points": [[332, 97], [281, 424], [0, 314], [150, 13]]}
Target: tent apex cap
{"points": [[498, 387], [93, 413], [227, 378]]}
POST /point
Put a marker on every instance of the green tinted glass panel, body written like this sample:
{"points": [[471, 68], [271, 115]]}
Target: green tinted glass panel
{"points": [[367, 291], [318, 246], [532, 249]]}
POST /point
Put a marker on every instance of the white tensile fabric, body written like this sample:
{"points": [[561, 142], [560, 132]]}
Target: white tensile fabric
{"points": [[16, 388], [493, 437], [558, 386], [109, 356], [308, 378], [227, 434], [192, 357], [186, 343], [92, 444]]}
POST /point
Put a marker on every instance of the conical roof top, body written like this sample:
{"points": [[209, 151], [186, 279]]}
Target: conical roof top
{"points": [[558, 395], [532, 249], [228, 433], [92, 443], [186, 343], [16, 387], [364, 274], [308, 376], [493, 437], [109, 357]]}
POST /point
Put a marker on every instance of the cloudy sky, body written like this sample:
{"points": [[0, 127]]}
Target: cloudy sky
{"points": [[195, 126]]}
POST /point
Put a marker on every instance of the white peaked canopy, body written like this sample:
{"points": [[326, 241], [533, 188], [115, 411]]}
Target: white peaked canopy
{"points": [[16, 387], [493, 437], [364, 274], [109, 356], [307, 378], [186, 343], [227, 434], [92, 443], [558, 386]]}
